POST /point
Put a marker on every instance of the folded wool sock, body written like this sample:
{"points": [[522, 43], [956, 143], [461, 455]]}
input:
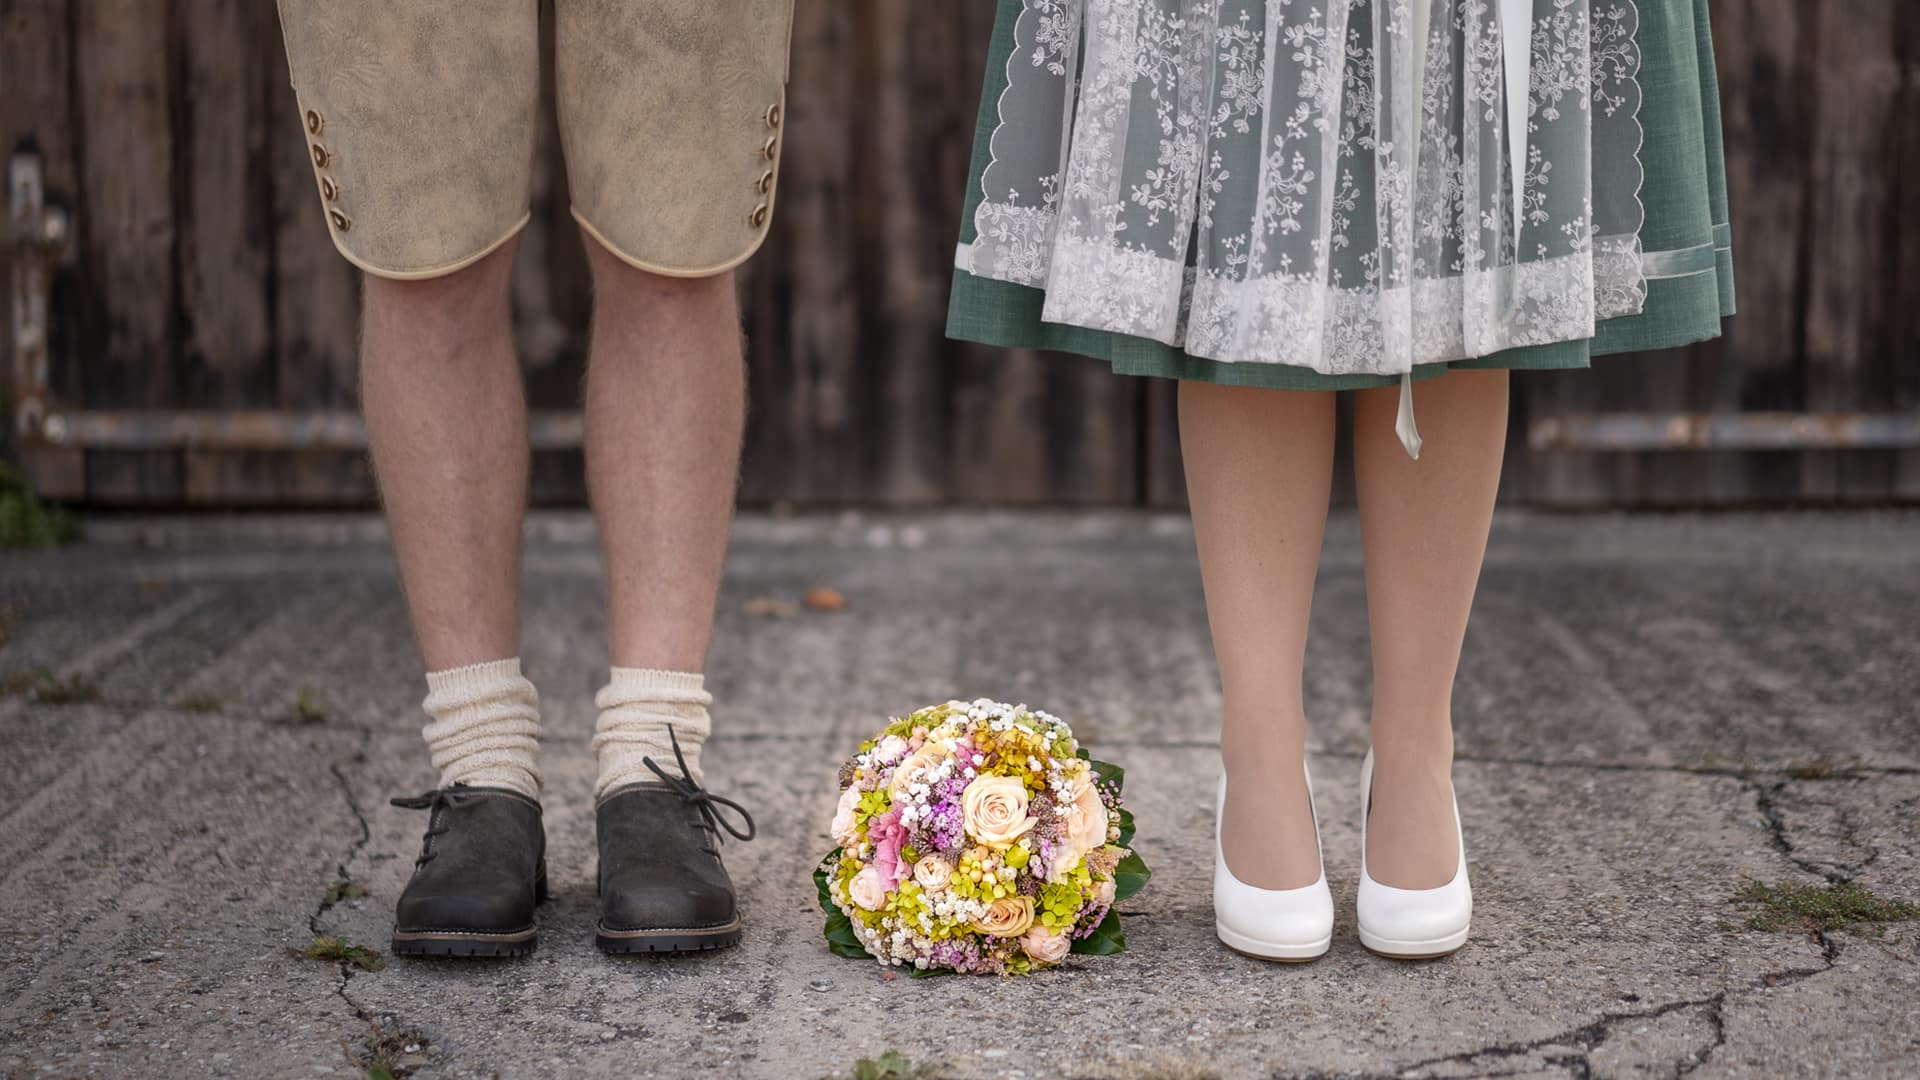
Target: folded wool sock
{"points": [[638, 707], [485, 729]]}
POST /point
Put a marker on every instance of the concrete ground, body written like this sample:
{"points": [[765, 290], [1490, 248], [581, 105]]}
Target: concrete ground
{"points": [[1653, 712]]}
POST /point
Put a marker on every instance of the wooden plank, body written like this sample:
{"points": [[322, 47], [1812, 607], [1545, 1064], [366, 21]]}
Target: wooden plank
{"points": [[224, 215], [128, 304], [804, 439], [36, 54], [914, 220], [1856, 155], [126, 223], [1164, 479], [1768, 92], [318, 479], [995, 439], [1903, 286]]}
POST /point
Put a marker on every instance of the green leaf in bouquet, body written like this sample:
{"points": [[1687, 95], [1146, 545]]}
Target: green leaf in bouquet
{"points": [[1109, 773], [1130, 876], [929, 973], [1106, 939], [1082, 754], [841, 940], [1126, 827], [820, 881]]}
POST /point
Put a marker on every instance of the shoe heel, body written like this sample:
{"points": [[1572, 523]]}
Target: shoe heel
{"points": [[540, 886]]}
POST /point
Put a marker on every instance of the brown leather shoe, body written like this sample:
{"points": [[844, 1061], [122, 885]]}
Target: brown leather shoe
{"points": [[662, 886], [481, 871]]}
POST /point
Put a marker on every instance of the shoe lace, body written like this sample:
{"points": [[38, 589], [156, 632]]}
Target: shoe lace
{"points": [[433, 801], [709, 804]]}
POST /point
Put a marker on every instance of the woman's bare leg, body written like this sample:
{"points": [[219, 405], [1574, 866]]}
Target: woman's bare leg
{"points": [[1259, 468], [1424, 526]]}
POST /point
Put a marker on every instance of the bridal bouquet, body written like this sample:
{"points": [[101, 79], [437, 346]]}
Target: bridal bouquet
{"points": [[977, 837]]}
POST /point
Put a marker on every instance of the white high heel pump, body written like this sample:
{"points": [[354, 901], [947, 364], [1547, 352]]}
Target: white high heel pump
{"points": [[1288, 925], [1411, 924]]}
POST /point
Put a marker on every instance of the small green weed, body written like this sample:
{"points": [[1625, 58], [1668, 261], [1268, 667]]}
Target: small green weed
{"points": [[336, 950], [1810, 908], [341, 891], [46, 688], [309, 707], [892, 1065], [25, 521]]}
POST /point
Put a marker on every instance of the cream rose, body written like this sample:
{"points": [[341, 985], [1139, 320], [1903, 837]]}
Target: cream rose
{"points": [[932, 873], [996, 810], [903, 774], [1103, 892], [1045, 947], [1083, 821], [867, 889], [1010, 916], [843, 829]]}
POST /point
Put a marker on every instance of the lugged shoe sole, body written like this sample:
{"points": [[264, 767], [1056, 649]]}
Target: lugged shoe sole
{"points": [[464, 943], [694, 939]]}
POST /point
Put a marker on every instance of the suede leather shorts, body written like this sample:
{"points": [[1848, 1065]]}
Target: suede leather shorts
{"points": [[420, 119]]}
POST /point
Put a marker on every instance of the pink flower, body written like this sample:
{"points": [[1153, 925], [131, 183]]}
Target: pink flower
{"points": [[866, 889], [843, 829], [1045, 947], [888, 836]]}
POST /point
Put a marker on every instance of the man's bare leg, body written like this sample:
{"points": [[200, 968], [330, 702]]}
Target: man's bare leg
{"points": [[666, 404], [447, 425]]}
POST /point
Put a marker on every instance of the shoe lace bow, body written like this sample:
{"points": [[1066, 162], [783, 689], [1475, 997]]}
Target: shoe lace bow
{"points": [[434, 801], [699, 798]]}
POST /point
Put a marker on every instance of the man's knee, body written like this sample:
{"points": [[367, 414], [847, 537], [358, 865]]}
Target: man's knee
{"points": [[614, 276], [471, 297]]}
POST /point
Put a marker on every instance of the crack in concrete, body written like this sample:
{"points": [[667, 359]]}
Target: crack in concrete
{"points": [[1765, 797], [345, 973], [1586, 1038], [1717, 1019], [1591, 1036]]}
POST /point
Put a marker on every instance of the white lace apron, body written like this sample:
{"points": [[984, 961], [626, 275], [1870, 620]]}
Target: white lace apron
{"points": [[1256, 181]]}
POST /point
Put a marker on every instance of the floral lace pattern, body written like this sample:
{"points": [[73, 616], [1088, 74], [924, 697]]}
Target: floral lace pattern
{"points": [[1253, 180]]}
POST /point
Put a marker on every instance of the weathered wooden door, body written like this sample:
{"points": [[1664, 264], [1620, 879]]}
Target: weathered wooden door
{"points": [[197, 345]]}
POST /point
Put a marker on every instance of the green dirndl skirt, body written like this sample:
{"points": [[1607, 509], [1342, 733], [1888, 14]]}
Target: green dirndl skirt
{"points": [[1194, 202]]}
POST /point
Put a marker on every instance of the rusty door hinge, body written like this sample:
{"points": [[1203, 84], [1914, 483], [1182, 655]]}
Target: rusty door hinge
{"points": [[38, 232]]}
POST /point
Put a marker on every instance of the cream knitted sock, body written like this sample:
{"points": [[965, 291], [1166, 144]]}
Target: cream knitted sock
{"points": [[637, 708], [486, 727]]}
